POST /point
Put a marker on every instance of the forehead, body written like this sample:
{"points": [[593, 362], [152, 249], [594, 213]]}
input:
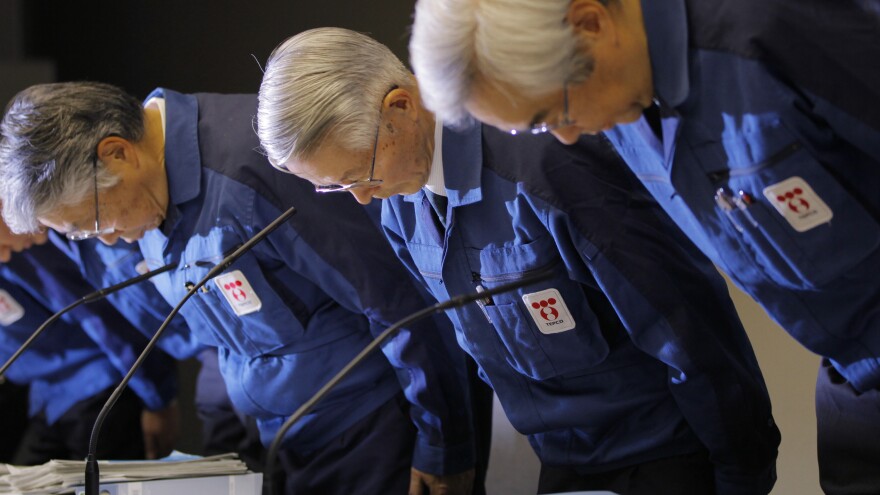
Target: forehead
{"points": [[501, 106], [330, 164], [70, 215]]}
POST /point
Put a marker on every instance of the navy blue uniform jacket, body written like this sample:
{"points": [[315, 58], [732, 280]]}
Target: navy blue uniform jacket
{"points": [[769, 158], [295, 309], [85, 352], [632, 352]]}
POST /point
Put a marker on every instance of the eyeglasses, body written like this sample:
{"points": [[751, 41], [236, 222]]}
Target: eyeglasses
{"points": [[370, 181], [81, 235], [564, 121]]}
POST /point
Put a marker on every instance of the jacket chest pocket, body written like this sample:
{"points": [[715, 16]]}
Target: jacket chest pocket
{"points": [[547, 329], [237, 309], [803, 226]]}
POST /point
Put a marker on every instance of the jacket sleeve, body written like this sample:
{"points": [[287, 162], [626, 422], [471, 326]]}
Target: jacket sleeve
{"points": [[141, 304], [119, 338], [156, 382], [354, 265], [49, 355], [850, 128], [675, 307]]}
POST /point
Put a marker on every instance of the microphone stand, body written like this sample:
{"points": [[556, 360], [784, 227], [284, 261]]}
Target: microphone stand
{"points": [[88, 298], [375, 344], [92, 473]]}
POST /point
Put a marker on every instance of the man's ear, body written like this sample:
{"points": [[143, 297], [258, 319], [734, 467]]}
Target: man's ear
{"points": [[590, 19], [402, 101], [114, 151]]}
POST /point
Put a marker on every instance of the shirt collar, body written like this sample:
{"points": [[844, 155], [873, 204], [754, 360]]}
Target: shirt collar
{"points": [[666, 29], [436, 183], [182, 157], [158, 103]]}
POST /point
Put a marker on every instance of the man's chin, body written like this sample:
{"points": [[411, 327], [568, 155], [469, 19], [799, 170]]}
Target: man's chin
{"points": [[136, 235], [404, 191]]}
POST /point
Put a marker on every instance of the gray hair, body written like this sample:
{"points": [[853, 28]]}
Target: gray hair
{"points": [[323, 83], [526, 44], [48, 150]]}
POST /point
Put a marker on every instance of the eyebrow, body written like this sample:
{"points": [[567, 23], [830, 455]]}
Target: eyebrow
{"points": [[71, 227], [349, 174]]}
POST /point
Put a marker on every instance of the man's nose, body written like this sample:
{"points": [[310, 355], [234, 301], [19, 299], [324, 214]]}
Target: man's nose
{"points": [[363, 195], [568, 134]]}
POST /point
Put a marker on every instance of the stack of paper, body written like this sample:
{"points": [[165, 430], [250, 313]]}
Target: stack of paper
{"points": [[57, 477]]}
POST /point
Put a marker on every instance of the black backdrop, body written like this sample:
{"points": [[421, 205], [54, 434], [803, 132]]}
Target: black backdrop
{"points": [[190, 45]]}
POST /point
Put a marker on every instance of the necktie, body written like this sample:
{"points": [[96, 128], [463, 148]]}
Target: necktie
{"points": [[439, 204]]}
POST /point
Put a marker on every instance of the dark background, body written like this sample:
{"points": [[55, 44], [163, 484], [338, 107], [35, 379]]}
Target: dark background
{"points": [[185, 45]]}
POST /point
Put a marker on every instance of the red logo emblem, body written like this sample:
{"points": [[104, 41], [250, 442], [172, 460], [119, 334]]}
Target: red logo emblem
{"points": [[548, 312], [794, 201], [233, 288], [4, 305]]}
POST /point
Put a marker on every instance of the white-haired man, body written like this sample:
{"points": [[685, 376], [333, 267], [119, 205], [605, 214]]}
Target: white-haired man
{"points": [[628, 370], [753, 123]]}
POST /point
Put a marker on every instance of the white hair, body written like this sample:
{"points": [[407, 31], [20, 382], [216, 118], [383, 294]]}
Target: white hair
{"points": [[324, 83], [48, 156], [526, 44]]}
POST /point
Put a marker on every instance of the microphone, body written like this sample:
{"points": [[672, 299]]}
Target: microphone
{"points": [[377, 342], [88, 298], [92, 474]]}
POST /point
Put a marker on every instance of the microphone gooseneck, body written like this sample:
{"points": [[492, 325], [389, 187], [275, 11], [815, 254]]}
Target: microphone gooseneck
{"points": [[92, 474], [375, 344], [88, 298]]}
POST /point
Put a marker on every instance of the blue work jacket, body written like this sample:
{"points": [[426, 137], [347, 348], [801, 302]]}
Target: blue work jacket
{"points": [[295, 309], [632, 352], [769, 159], [104, 266], [82, 354]]}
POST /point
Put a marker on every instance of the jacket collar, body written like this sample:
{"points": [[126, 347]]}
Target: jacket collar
{"points": [[182, 157], [667, 32], [462, 166]]}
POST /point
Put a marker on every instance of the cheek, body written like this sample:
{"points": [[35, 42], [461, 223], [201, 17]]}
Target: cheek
{"points": [[126, 216], [122, 215]]}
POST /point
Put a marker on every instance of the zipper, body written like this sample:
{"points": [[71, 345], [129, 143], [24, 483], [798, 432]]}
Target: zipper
{"points": [[718, 177], [515, 276]]}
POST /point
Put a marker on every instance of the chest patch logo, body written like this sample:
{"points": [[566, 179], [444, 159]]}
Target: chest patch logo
{"points": [[239, 293], [549, 311], [796, 201], [10, 310]]}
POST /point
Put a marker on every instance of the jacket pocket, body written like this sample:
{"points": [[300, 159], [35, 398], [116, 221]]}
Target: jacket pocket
{"points": [[803, 225], [266, 329], [541, 352]]}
